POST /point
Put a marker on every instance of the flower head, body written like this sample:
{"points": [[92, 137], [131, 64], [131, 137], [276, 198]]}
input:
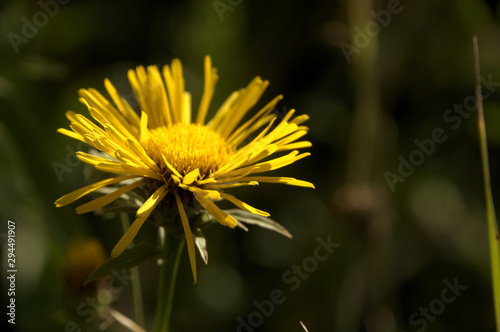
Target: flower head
{"points": [[179, 158]]}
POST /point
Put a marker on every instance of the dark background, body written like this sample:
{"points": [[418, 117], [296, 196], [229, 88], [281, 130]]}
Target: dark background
{"points": [[398, 248]]}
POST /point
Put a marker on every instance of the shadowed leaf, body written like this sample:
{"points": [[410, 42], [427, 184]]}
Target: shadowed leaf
{"points": [[253, 219], [201, 244], [139, 254]]}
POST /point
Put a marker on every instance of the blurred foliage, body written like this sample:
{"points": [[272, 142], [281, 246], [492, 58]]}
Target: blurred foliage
{"points": [[397, 248]]}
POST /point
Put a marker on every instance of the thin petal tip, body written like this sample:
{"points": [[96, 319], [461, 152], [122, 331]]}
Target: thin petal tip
{"points": [[231, 222], [115, 252], [58, 203]]}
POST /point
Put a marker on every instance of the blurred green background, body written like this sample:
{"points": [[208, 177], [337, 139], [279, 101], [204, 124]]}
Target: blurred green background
{"points": [[372, 83]]}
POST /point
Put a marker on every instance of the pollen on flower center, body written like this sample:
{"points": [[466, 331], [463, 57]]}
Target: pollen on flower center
{"points": [[188, 147]]}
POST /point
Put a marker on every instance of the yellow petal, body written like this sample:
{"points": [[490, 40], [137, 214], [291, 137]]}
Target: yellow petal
{"points": [[120, 168], [291, 138], [129, 159], [254, 123], [174, 81], [171, 168], [268, 165], [144, 127], [179, 88], [138, 150], [191, 176], [108, 198], [288, 115], [90, 158], [212, 194], [70, 115], [287, 129], [150, 87], [294, 146], [87, 125], [208, 90], [217, 186], [242, 155], [221, 216], [145, 211], [189, 236], [152, 201], [266, 152], [186, 108], [300, 119], [248, 98], [170, 89], [176, 179], [71, 134], [73, 196], [138, 80], [94, 99], [279, 179], [215, 122], [122, 150], [122, 105], [122, 128], [244, 206], [160, 99]]}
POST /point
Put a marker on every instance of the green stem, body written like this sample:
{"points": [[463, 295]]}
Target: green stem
{"points": [[367, 127], [172, 245], [490, 209], [135, 282]]}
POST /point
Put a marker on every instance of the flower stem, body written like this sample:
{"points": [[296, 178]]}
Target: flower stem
{"points": [[172, 245], [135, 282]]}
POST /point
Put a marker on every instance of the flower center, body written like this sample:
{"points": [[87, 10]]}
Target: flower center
{"points": [[188, 147]]}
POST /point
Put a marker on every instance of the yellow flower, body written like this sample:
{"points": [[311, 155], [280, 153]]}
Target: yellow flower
{"points": [[179, 156]]}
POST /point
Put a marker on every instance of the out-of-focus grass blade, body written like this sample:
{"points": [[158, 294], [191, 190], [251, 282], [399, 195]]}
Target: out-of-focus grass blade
{"points": [[492, 221]]}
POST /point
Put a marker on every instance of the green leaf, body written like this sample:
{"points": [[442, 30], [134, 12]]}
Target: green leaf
{"points": [[139, 254], [254, 219], [240, 225], [201, 244]]}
